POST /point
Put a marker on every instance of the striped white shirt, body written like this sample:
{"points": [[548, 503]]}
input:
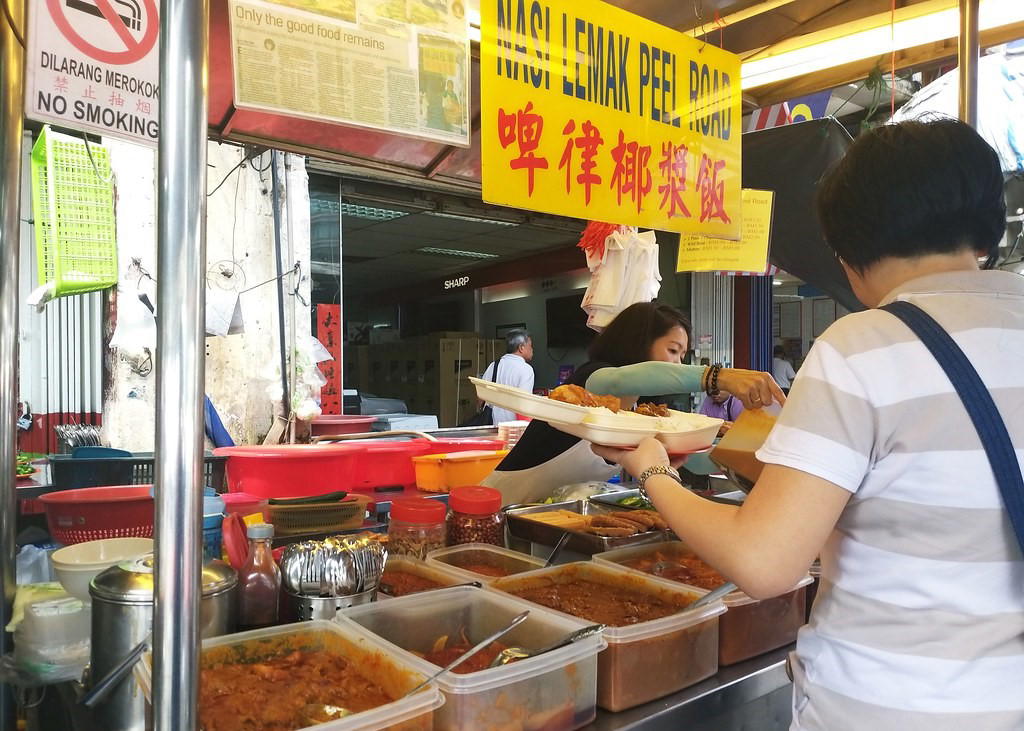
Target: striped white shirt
{"points": [[919, 621]]}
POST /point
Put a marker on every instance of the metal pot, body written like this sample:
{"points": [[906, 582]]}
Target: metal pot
{"points": [[122, 618]]}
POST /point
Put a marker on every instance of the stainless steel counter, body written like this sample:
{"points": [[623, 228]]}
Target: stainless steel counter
{"points": [[749, 696]]}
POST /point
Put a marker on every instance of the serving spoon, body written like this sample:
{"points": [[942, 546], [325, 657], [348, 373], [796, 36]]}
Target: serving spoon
{"points": [[511, 654]]}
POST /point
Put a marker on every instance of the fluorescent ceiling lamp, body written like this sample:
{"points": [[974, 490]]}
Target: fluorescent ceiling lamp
{"points": [[454, 252], [370, 212], [916, 25], [471, 219]]}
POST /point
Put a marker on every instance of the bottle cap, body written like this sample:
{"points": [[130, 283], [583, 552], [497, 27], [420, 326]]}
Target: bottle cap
{"points": [[260, 530], [475, 500], [417, 510]]}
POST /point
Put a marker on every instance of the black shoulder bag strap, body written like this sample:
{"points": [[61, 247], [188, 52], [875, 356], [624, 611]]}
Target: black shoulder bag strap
{"points": [[979, 404]]}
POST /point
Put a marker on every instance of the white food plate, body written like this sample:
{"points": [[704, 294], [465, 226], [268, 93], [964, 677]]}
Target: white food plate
{"points": [[681, 433], [608, 436], [684, 433], [528, 404]]}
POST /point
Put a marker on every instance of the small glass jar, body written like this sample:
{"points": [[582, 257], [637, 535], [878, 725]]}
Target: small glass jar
{"points": [[474, 516], [417, 527]]}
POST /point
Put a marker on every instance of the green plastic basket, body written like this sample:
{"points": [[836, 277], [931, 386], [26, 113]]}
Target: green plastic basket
{"points": [[73, 207]]}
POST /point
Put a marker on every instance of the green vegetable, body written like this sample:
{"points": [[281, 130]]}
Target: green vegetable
{"points": [[635, 501]]}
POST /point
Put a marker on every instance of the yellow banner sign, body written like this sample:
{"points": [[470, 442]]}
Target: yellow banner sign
{"points": [[590, 111], [750, 254]]}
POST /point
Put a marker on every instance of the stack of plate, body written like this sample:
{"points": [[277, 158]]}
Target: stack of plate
{"points": [[510, 432]]}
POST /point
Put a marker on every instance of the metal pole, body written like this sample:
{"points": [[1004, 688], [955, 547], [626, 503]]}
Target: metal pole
{"points": [[181, 258], [968, 52], [275, 184], [12, 100]]}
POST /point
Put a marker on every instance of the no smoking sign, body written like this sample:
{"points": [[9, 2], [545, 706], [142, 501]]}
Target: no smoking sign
{"points": [[93, 65]]}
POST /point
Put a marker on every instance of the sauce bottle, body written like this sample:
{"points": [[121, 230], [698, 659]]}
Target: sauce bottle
{"points": [[259, 581]]}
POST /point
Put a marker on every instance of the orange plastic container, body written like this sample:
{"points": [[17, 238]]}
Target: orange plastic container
{"points": [[442, 472]]}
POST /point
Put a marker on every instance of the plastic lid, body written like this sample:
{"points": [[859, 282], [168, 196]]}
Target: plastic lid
{"points": [[260, 530], [475, 500], [418, 510]]}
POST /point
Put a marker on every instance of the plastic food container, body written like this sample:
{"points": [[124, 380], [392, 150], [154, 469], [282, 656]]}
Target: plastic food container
{"points": [[483, 562], [521, 402], [555, 690], [751, 627], [416, 527], [374, 659], [245, 504], [610, 436], [648, 660], [387, 465], [293, 470], [474, 516], [442, 472], [433, 573]]}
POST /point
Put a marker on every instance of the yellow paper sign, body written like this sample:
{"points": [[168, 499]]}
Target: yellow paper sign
{"points": [[749, 254], [593, 112]]}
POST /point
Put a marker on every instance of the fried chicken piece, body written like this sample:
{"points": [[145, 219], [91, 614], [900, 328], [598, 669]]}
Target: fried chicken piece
{"points": [[612, 532], [652, 410], [579, 396]]}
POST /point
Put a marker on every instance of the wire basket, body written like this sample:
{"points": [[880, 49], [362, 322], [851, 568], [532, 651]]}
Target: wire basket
{"points": [[73, 208], [290, 520]]}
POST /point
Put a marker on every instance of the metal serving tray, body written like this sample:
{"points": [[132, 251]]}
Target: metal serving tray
{"points": [[611, 499], [583, 543]]}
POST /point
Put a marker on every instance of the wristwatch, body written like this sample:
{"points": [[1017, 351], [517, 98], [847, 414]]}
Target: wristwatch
{"points": [[658, 469]]}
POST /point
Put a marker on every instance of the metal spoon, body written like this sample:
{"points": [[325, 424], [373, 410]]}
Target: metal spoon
{"points": [[726, 588], [520, 618], [511, 654], [558, 549]]}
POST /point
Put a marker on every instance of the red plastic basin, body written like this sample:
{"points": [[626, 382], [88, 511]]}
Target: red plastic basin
{"points": [[291, 470], [332, 424]]}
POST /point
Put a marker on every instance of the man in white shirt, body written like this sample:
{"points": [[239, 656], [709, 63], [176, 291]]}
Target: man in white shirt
{"points": [[513, 369], [782, 370]]}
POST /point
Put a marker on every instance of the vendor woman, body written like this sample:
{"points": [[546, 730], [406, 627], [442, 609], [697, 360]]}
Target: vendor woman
{"points": [[638, 355]]}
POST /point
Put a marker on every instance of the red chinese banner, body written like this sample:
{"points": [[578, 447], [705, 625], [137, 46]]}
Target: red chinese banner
{"points": [[593, 112], [328, 332]]}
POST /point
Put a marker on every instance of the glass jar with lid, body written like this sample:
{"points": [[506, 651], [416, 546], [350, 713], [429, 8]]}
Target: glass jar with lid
{"points": [[475, 516], [416, 527]]}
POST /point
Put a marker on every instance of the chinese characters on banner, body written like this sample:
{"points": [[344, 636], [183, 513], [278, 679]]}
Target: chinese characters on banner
{"points": [[398, 66], [593, 112], [328, 332], [95, 66], [750, 254]]}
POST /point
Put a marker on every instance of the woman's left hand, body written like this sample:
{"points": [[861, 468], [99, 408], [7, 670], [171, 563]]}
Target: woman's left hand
{"points": [[648, 453], [754, 388]]}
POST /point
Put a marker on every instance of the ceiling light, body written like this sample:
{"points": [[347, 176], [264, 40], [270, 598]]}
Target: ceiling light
{"points": [[776, 282], [915, 25], [471, 219], [370, 212], [454, 252]]}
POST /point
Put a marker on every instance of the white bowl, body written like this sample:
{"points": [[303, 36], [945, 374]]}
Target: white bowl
{"points": [[76, 565]]}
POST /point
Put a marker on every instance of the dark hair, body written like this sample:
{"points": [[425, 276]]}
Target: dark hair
{"points": [[515, 339], [628, 338], [911, 189], [779, 351]]}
